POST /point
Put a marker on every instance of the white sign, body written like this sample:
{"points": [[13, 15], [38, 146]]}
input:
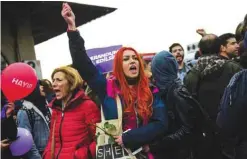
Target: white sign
{"points": [[35, 64]]}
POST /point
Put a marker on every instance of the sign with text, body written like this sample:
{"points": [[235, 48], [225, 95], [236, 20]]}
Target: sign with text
{"points": [[102, 58], [111, 151], [147, 56]]}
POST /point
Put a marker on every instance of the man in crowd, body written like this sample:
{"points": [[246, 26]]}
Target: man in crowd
{"points": [[229, 46], [210, 76], [178, 52]]}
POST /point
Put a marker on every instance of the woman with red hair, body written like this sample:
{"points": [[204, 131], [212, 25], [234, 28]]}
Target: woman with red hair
{"points": [[144, 112]]}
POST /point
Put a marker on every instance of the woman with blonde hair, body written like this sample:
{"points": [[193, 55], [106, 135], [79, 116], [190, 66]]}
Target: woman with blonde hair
{"points": [[73, 114], [144, 112]]}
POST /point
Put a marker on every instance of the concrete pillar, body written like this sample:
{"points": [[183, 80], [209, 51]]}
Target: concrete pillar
{"points": [[25, 40], [8, 43]]}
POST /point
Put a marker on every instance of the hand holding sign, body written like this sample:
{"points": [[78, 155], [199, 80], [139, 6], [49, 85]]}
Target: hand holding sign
{"points": [[119, 140], [18, 81]]}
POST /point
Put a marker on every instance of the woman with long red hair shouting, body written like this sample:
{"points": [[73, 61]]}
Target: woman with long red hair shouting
{"points": [[144, 113]]}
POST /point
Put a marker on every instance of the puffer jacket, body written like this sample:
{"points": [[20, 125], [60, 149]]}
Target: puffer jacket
{"points": [[74, 129]]}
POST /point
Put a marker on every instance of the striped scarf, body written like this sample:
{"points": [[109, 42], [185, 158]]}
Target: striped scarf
{"points": [[209, 64]]}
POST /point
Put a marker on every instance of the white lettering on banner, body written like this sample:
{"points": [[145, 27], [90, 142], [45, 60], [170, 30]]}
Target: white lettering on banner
{"points": [[100, 153], [21, 83], [108, 151], [103, 57], [111, 151], [118, 150]]}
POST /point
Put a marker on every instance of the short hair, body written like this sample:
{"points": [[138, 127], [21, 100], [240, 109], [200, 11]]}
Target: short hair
{"points": [[174, 45], [223, 38], [241, 29], [72, 75], [241, 49], [209, 44], [239, 32], [47, 81]]}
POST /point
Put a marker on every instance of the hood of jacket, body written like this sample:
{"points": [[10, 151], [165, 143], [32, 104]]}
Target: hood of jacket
{"points": [[164, 70]]}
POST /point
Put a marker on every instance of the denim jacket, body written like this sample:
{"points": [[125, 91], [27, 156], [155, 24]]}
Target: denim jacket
{"points": [[182, 72], [40, 130]]}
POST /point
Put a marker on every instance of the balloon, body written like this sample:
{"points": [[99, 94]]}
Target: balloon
{"points": [[18, 81], [22, 144]]}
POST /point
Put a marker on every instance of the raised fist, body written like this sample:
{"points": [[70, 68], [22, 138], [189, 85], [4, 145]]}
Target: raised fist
{"points": [[202, 32], [68, 16]]}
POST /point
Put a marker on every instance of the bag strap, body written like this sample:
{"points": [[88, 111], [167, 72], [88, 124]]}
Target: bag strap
{"points": [[130, 153], [119, 110], [120, 119]]}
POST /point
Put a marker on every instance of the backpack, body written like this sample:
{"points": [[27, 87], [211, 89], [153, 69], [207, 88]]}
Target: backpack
{"points": [[204, 129], [233, 100], [202, 119]]}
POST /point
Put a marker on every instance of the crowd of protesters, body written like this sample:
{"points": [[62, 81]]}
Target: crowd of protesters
{"points": [[171, 108]]}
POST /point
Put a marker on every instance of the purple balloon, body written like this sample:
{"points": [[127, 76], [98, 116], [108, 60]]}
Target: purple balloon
{"points": [[23, 143]]}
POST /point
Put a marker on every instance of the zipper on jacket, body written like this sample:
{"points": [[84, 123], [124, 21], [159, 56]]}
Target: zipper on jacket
{"points": [[60, 135]]}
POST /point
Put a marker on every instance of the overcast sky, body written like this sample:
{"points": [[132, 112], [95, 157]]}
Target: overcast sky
{"points": [[148, 26]]}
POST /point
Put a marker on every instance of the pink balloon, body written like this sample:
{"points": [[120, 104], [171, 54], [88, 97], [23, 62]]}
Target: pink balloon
{"points": [[18, 81], [22, 144]]}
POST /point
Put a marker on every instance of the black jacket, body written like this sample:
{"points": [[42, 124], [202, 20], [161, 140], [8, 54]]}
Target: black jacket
{"points": [[185, 119], [8, 131], [209, 88]]}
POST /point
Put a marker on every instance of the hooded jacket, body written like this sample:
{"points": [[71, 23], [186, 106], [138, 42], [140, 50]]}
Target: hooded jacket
{"points": [[181, 112]]}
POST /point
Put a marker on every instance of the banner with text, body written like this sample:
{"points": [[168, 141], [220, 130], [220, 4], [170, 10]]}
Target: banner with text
{"points": [[102, 58], [147, 56]]}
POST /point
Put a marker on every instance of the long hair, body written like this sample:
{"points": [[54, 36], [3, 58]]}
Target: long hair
{"points": [[144, 94]]}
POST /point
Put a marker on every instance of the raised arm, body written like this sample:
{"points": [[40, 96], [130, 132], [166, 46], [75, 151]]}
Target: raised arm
{"points": [[80, 59]]}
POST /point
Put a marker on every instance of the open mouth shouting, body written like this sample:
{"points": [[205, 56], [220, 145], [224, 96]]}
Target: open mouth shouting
{"points": [[179, 57], [58, 93], [133, 69]]}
